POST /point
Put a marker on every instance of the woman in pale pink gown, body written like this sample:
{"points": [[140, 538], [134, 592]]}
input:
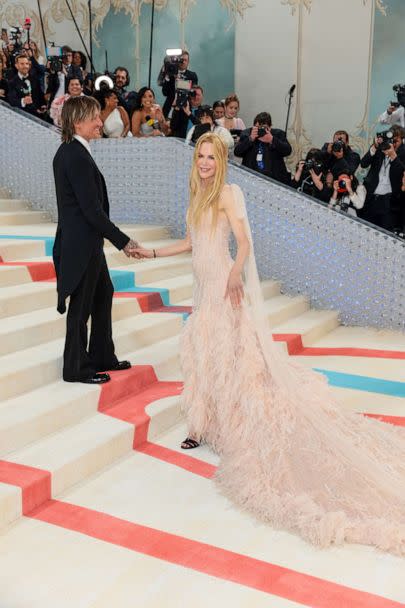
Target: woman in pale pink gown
{"points": [[288, 453]]}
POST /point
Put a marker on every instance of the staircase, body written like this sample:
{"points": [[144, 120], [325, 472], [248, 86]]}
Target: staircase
{"points": [[67, 433]]}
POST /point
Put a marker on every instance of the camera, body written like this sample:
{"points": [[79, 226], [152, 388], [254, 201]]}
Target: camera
{"points": [[343, 206], [338, 146], [342, 185], [261, 132], [184, 92], [400, 91], [387, 139], [313, 165], [54, 56], [172, 61]]}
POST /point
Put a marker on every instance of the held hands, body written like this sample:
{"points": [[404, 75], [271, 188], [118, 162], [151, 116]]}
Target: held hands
{"points": [[142, 253], [234, 289], [130, 249]]}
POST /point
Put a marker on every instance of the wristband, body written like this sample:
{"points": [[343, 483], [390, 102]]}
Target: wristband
{"points": [[154, 253]]}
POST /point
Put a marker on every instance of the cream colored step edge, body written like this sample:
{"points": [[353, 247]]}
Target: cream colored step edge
{"points": [[14, 275], [18, 218], [13, 204], [13, 250], [311, 325]]}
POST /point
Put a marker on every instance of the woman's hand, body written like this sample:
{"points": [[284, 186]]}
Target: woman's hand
{"points": [[300, 168], [141, 252], [234, 289]]}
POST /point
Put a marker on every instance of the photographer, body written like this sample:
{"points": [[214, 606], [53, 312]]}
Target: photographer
{"points": [[339, 149], [311, 177], [383, 182], [126, 99], [206, 122], [348, 194], [185, 111], [24, 91], [170, 71], [395, 113], [57, 78], [263, 149]]}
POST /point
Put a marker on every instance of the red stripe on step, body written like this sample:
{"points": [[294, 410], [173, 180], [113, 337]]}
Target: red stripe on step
{"points": [[208, 559], [34, 483], [148, 302], [124, 384], [39, 271], [183, 461], [133, 408], [296, 347], [187, 309], [396, 420]]}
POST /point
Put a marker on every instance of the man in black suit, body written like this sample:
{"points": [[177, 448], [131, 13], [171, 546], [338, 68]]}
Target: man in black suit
{"points": [[185, 117], [80, 264], [384, 180], [263, 149], [24, 91], [168, 81]]}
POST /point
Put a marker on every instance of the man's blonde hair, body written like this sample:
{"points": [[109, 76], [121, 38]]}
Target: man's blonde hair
{"points": [[77, 109]]}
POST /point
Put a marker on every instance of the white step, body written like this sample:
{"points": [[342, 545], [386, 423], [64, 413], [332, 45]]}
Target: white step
{"points": [[164, 356], [13, 204], [26, 370], [20, 299], [10, 504], [148, 271], [311, 325], [14, 275], [17, 218], [44, 325], [12, 250], [79, 451], [139, 232], [270, 288], [32, 416], [180, 287], [280, 308]]}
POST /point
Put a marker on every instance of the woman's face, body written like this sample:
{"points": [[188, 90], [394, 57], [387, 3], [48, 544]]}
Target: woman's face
{"points": [[232, 109], [148, 99], [219, 112], [111, 102], [74, 88], [77, 60], [206, 163], [206, 120]]}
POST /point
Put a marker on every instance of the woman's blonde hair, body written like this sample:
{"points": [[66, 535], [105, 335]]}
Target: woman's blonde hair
{"points": [[232, 97], [204, 199], [77, 109]]}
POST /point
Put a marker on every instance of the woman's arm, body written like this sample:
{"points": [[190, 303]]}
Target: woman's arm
{"points": [[125, 120], [182, 246], [234, 288], [136, 124]]}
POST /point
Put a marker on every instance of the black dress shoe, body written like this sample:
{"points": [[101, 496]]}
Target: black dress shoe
{"points": [[97, 379], [120, 366]]}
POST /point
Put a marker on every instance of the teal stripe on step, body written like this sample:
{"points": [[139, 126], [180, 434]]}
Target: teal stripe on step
{"points": [[48, 240], [364, 383], [123, 280]]}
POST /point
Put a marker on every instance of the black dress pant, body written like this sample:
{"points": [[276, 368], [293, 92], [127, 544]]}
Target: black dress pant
{"points": [[92, 297], [378, 211]]}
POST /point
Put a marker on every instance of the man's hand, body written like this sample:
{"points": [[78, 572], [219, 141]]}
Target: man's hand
{"points": [[130, 249], [268, 138], [27, 100], [390, 153], [254, 133], [186, 109]]}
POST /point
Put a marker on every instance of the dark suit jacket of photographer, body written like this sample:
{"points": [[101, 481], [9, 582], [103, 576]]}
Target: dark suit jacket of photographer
{"points": [[179, 122], [397, 168], [273, 154], [351, 157], [17, 89], [169, 89], [83, 216]]}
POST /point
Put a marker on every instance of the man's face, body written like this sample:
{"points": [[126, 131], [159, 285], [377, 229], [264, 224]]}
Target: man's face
{"points": [[67, 58], [185, 59], [340, 137], [197, 100], [120, 78], [23, 66], [396, 142], [90, 128]]}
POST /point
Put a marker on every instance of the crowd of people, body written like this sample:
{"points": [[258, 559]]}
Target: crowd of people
{"points": [[41, 87]]}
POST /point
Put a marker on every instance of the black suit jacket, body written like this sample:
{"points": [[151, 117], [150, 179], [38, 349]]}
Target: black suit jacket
{"points": [[273, 154], [17, 89], [169, 89], [375, 162], [83, 216], [179, 122]]}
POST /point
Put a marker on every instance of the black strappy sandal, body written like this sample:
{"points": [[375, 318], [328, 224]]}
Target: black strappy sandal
{"points": [[189, 444]]}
